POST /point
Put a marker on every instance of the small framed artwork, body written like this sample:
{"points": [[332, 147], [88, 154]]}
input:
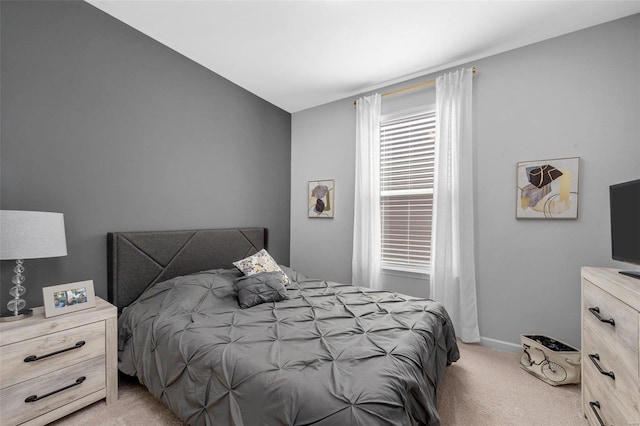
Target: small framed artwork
{"points": [[548, 189], [67, 298], [322, 200]]}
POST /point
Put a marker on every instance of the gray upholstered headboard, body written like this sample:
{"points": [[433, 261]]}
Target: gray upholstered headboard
{"points": [[135, 260]]}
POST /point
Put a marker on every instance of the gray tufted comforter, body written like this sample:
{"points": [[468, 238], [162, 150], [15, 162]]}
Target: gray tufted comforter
{"points": [[332, 354]]}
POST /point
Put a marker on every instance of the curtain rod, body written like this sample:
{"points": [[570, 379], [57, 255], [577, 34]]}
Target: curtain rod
{"points": [[415, 86]]}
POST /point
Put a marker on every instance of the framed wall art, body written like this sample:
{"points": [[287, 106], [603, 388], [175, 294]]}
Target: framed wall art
{"points": [[322, 203], [548, 189], [67, 298]]}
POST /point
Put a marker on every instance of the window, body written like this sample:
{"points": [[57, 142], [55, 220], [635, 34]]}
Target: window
{"points": [[406, 190]]}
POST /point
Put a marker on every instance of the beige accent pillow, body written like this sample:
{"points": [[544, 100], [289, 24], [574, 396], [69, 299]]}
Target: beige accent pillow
{"points": [[258, 263]]}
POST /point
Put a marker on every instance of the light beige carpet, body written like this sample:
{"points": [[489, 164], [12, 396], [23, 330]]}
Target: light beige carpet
{"points": [[486, 387]]}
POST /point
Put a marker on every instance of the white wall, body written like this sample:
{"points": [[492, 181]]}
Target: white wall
{"points": [[322, 147], [573, 96]]}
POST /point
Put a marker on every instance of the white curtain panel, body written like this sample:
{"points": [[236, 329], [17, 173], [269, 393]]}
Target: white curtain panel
{"points": [[366, 219], [453, 275]]}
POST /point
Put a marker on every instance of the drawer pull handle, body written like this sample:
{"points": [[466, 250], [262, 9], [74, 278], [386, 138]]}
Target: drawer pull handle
{"points": [[34, 398], [593, 405], [596, 313], [32, 358], [595, 358]]}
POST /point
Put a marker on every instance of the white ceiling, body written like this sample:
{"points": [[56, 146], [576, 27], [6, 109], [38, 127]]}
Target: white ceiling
{"points": [[300, 54]]}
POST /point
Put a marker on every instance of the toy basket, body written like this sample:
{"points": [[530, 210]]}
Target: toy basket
{"points": [[550, 360]]}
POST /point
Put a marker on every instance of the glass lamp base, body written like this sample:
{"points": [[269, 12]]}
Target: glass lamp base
{"points": [[9, 316]]}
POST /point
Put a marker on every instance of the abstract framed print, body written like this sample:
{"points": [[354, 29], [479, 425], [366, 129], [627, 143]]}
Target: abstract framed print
{"points": [[322, 202], [548, 189]]}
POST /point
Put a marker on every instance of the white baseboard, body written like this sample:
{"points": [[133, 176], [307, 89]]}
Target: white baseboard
{"points": [[500, 345]]}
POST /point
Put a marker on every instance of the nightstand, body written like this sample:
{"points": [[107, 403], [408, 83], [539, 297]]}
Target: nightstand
{"points": [[51, 367]]}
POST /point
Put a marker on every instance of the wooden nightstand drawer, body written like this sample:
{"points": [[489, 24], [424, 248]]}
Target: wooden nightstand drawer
{"points": [[71, 383], [68, 347], [57, 360]]}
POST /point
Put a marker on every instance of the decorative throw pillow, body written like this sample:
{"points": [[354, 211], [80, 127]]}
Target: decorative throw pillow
{"points": [[260, 288], [260, 262]]}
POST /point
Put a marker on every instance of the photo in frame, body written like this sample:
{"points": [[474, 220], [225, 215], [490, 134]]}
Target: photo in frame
{"points": [[67, 298], [547, 189], [321, 198]]}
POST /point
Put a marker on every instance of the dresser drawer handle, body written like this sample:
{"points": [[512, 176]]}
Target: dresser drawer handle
{"points": [[593, 405], [595, 358], [596, 313], [34, 398], [32, 358]]}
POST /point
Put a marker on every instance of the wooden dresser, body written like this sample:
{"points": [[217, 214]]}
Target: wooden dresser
{"points": [[610, 347], [51, 367]]}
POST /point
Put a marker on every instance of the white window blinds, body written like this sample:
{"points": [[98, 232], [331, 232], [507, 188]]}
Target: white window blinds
{"points": [[406, 183]]}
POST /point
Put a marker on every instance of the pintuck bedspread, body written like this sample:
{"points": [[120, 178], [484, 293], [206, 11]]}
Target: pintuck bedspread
{"points": [[331, 354]]}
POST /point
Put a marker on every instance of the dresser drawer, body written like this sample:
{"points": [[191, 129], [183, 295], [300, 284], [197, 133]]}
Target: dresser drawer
{"points": [[606, 345], [608, 411], [624, 335], [16, 410], [620, 392], [12, 357]]}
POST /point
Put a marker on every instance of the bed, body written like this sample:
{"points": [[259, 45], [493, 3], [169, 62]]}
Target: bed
{"points": [[330, 354]]}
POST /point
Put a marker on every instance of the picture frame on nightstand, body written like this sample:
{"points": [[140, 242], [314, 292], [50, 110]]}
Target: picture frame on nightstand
{"points": [[66, 298]]}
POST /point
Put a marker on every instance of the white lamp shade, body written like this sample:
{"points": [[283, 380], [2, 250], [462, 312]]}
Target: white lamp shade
{"points": [[31, 235]]}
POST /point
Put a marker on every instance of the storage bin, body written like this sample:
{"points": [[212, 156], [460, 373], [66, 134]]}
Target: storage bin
{"points": [[550, 360]]}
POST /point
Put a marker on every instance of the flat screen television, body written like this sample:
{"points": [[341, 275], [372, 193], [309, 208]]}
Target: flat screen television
{"points": [[624, 201]]}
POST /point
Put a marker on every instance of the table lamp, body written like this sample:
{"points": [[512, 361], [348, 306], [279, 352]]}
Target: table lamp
{"points": [[28, 235]]}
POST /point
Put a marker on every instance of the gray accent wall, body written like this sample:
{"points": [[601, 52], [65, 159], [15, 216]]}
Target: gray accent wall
{"points": [[121, 133], [573, 96]]}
